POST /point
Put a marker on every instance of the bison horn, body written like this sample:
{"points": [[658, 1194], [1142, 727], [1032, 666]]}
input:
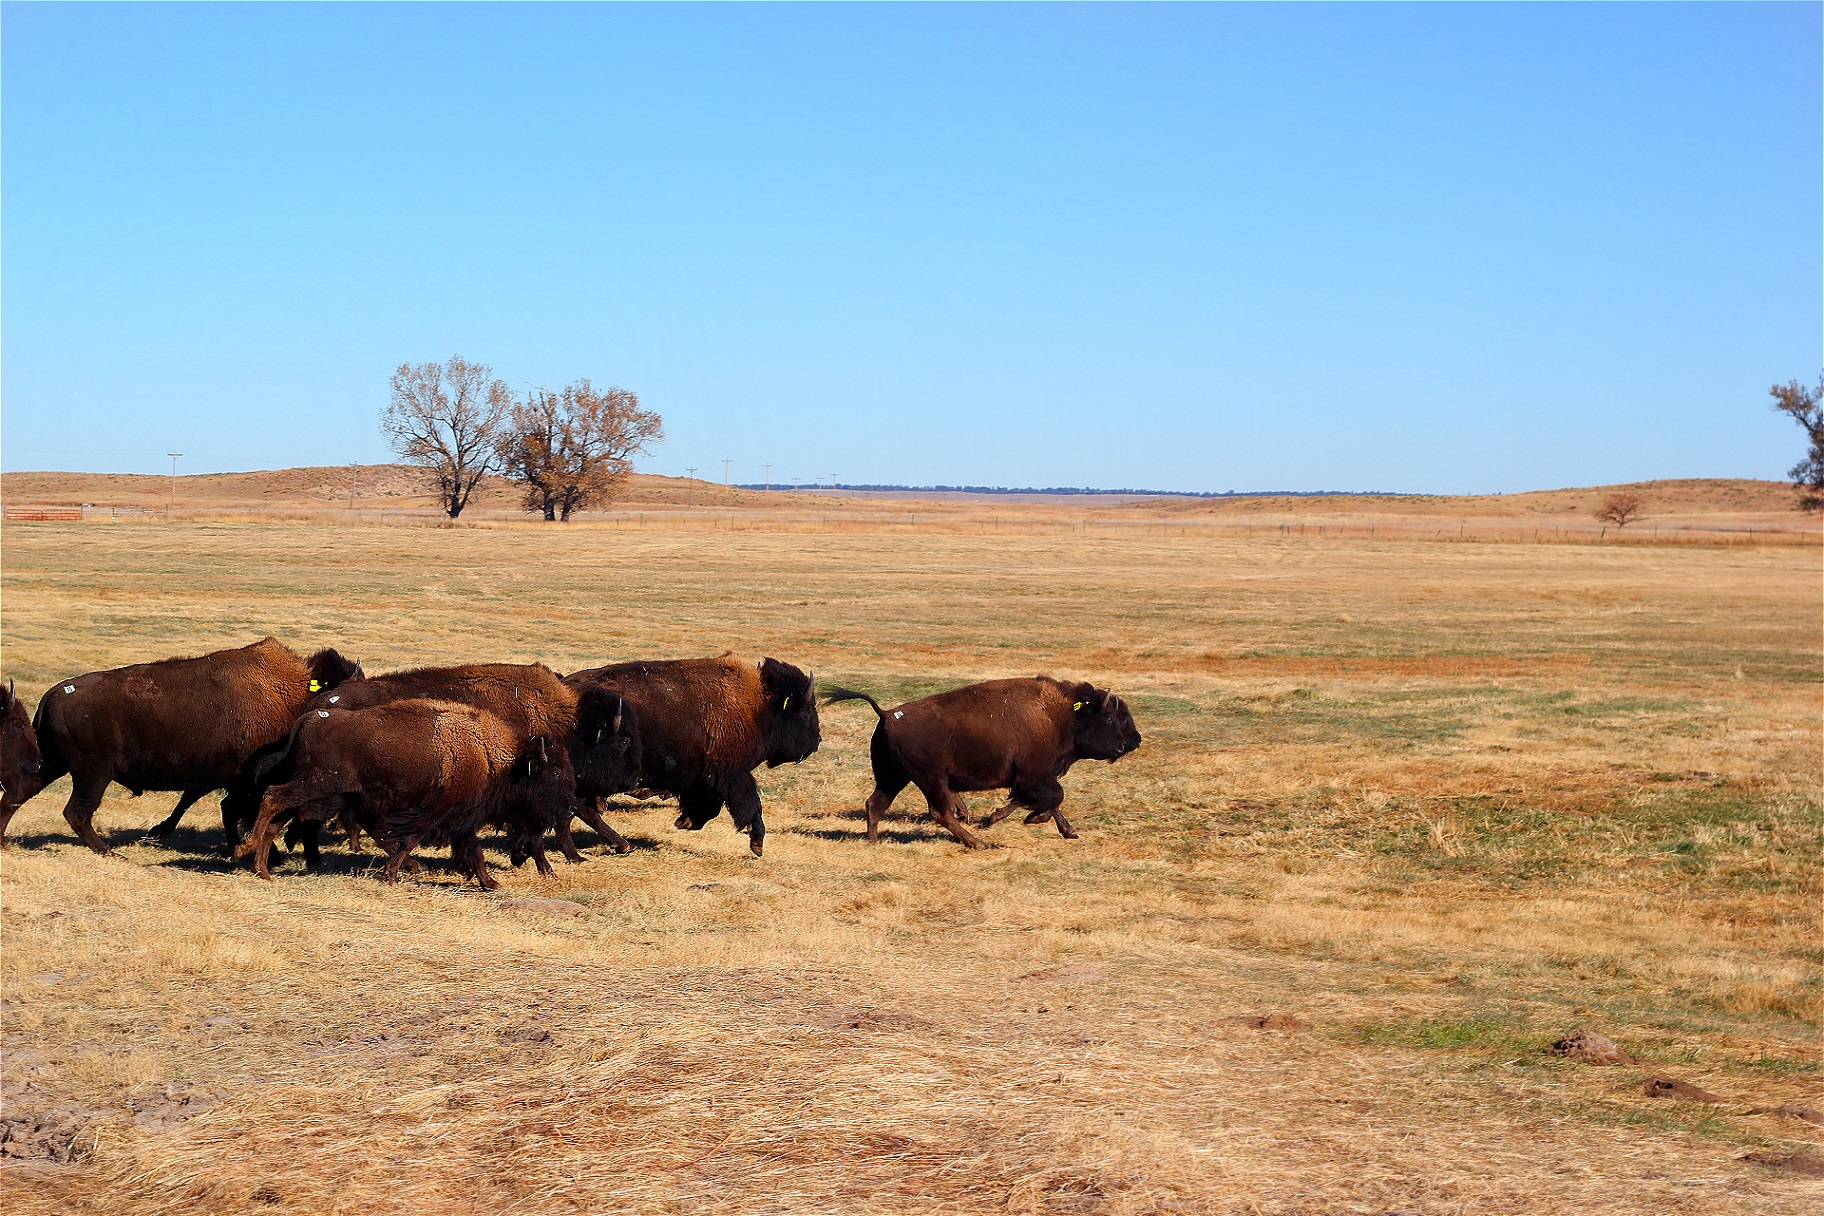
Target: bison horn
{"points": [[544, 749], [616, 728]]}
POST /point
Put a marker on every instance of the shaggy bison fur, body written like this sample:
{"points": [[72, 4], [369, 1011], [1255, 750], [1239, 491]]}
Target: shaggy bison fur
{"points": [[706, 724], [596, 727], [416, 772], [177, 724]]}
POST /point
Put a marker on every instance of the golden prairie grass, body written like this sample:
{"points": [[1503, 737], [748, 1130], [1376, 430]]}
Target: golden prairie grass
{"points": [[1441, 802]]}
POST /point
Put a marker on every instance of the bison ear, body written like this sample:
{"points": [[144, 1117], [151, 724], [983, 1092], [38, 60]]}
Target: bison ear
{"points": [[1087, 700], [6, 700]]}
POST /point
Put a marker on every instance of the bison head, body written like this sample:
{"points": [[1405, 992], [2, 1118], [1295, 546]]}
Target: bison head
{"points": [[1103, 727], [542, 782], [607, 743], [789, 730], [19, 758], [328, 669]]}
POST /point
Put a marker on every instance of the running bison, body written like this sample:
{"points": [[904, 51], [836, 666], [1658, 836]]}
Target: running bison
{"points": [[529, 697], [177, 724], [1019, 735], [18, 756], [706, 724], [421, 771]]}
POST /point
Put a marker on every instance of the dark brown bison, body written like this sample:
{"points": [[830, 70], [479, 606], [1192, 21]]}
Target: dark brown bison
{"points": [[177, 724], [706, 724], [19, 760], [1019, 735], [415, 772], [530, 698]]}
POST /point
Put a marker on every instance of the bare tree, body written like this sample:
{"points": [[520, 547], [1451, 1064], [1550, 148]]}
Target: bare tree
{"points": [[1621, 508], [448, 417], [1806, 405], [573, 449]]}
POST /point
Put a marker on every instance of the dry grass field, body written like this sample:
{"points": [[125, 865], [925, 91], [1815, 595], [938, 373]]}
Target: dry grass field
{"points": [[1437, 803]]}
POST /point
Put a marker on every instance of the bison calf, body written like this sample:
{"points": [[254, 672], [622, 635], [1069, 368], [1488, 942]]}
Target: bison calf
{"points": [[1018, 735], [416, 772]]}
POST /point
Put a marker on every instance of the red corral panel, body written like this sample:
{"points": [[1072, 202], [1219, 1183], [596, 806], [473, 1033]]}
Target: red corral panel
{"points": [[28, 513]]}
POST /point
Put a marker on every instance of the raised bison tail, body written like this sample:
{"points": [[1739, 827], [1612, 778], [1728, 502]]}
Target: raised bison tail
{"points": [[52, 763], [833, 694]]}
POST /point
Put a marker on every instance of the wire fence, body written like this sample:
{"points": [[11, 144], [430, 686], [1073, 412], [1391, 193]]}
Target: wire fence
{"points": [[1802, 531]]}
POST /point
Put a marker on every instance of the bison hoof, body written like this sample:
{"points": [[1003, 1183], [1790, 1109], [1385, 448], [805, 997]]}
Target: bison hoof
{"points": [[623, 848], [755, 845], [683, 824], [1069, 835]]}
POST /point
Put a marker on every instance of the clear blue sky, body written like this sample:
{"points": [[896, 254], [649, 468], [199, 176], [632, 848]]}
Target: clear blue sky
{"points": [[1428, 247]]}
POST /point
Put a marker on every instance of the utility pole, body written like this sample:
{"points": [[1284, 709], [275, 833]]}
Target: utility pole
{"points": [[832, 481], [353, 480], [690, 488], [173, 506], [769, 475], [725, 463]]}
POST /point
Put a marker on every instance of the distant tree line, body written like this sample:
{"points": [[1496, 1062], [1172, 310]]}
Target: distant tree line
{"points": [[848, 485], [569, 448]]}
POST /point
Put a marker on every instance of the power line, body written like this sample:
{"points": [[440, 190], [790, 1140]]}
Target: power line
{"points": [[173, 456]]}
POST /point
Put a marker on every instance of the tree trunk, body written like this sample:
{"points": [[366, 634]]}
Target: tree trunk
{"points": [[551, 511]]}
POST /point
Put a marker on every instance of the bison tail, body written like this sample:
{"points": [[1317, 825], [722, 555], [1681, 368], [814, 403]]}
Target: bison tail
{"points": [[833, 694]]}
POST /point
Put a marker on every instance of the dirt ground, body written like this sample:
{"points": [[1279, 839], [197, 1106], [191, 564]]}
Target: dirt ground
{"points": [[1406, 814]]}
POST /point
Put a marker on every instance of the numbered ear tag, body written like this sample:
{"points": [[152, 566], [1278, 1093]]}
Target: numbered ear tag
{"points": [[1078, 707], [322, 713], [315, 687], [69, 688]]}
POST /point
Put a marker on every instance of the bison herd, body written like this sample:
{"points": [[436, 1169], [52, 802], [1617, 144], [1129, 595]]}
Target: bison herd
{"points": [[431, 756]]}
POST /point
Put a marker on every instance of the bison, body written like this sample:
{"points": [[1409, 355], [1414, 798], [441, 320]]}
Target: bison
{"points": [[19, 760], [706, 724], [529, 697], [177, 724], [1019, 735], [421, 771]]}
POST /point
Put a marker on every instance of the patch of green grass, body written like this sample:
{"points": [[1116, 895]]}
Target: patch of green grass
{"points": [[1489, 1033]]}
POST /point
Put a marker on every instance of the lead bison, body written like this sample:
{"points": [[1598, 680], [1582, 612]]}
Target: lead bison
{"points": [[706, 724], [529, 697], [19, 760], [177, 724], [1019, 735], [421, 771]]}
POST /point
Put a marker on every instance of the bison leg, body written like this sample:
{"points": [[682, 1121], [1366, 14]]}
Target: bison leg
{"points": [[948, 809], [590, 813], [878, 802], [743, 797], [168, 824], [1046, 798], [889, 779], [566, 843], [990, 820], [258, 842], [700, 803], [466, 852], [399, 853], [79, 812]]}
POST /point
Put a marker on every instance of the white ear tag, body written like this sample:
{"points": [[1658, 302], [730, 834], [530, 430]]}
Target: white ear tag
{"points": [[69, 688], [334, 699], [897, 714], [322, 713]]}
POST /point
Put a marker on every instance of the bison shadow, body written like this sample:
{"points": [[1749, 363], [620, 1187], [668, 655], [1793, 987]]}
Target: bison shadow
{"points": [[909, 834]]}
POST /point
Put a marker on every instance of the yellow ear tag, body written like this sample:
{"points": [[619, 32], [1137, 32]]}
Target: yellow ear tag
{"points": [[785, 705], [1078, 707], [315, 687]]}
